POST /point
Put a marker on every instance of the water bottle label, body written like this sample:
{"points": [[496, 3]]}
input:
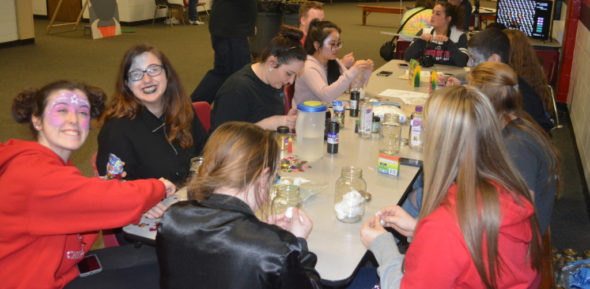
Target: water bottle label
{"points": [[333, 138], [353, 104]]}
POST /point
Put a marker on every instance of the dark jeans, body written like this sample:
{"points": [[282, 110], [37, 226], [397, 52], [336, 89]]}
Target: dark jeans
{"points": [[231, 54], [192, 9], [123, 267]]}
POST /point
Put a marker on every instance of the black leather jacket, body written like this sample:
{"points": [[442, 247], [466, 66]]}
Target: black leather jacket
{"points": [[219, 243]]}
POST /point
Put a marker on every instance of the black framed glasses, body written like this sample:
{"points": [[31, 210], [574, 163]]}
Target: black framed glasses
{"points": [[152, 70]]}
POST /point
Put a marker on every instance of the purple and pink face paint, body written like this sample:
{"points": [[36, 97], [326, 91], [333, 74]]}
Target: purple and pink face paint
{"points": [[65, 104]]}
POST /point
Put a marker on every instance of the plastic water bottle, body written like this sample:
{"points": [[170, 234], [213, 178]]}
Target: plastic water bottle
{"points": [[416, 129], [366, 117]]}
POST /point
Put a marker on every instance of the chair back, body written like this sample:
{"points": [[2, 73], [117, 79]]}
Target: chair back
{"points": [[203, 110], [289, 92], [550, 61], [400, 49]]}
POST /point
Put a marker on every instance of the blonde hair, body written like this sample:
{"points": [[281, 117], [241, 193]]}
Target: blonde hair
{"points": [[499, 82], [463, 146], [236, 156]]}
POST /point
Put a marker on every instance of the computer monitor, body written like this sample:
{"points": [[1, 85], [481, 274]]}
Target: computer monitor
{"points": [[533, 17]]}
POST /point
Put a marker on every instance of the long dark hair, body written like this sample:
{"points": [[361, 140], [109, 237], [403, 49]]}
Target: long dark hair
{"points": [[32, 102], [178, 110], [319, 31]]}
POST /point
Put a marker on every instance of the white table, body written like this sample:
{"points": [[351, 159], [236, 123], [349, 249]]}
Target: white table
{"points": [[338, 244]]}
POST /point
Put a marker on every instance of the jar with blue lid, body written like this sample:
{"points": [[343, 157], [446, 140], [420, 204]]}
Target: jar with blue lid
{"points": [[310, 128]]}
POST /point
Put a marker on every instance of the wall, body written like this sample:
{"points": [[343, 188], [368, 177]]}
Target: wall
{"points": [[24, 20], [129, 10], [16, 21], [8, 26], [579, 86]]}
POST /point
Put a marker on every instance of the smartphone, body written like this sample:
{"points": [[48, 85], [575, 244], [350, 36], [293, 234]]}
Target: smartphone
{"points": [[403, 65], [384, 73], [410, 162], [89, 265]]}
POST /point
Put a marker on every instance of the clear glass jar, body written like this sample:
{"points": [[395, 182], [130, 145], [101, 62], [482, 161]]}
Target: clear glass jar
{"points": [[286, 196], [349, 200]]}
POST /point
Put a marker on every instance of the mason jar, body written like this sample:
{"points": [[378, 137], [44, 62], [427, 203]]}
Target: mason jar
{"points": [[349, 200]]}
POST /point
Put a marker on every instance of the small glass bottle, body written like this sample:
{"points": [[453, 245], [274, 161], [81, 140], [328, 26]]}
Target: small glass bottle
{"points": [[415, 137], [366, 118], [349, 200], [283, 137], [355, 97], [333, 139], [338, 115]]}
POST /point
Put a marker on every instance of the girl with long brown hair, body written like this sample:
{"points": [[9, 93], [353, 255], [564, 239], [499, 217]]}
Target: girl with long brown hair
{"points": [[150, 123], [528, 145], [477, 227], [524, 60], [216, 240]]}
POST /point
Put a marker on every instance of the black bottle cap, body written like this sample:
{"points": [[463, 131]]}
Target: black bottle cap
{"points": [[282, 129]]}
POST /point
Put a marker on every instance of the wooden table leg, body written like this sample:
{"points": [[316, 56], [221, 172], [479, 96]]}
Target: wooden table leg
{"points": [[365, 13]]}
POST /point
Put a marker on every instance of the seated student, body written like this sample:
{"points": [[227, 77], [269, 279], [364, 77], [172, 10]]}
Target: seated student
{"points": [[464, 10], [493, 45], [255, 93], [529, 147], [324, 77], [150, 123], [422, 12], [50, 213], [477, 227], [443, 41], [215, 240], [525, 61]]}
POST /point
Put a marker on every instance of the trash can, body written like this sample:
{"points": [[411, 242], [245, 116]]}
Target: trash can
{"points": [[291, 14], [268, 24]]}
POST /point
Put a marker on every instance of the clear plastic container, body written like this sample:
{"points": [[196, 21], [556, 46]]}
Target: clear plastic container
{"points": [[416, 129], [390, 140], [366, 118], [311, 122], [349, 200]]}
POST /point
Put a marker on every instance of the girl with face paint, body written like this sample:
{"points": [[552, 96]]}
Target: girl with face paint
{"points": [[150, 123], [324, 76], [50, 213]]}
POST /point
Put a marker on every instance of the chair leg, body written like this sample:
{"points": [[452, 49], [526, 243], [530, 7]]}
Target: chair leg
{"points": [[155, 13], [555, 112]]}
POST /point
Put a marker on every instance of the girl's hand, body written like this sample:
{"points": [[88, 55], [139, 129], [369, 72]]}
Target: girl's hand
{"points": [[370, 230]]}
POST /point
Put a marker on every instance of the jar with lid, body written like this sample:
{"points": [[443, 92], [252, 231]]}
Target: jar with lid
{"points": [[283, 138], [286, 196], [310, 126], [349, 200]]}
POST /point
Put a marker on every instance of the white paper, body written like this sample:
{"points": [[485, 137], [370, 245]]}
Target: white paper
{"points": [[408, 97]]}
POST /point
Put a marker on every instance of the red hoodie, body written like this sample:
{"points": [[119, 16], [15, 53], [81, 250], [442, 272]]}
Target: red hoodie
{"points": [[438, 256], [50, 214]]}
